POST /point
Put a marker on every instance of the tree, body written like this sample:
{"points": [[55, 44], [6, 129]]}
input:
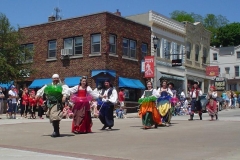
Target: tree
{"points": [[181, 16], [229, 35], [12, 54]]}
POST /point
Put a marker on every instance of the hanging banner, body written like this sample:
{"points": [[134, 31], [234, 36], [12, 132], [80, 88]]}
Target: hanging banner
{"points": [[142, 66], [149, 67], [212, 71]]}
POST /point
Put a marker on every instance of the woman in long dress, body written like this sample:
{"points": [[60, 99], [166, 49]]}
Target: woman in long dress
{"points": [[164, 104], [82, 94], [148, 111], [212, 104]]}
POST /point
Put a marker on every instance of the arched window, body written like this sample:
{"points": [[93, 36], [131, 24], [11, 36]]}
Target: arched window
{"points": [[196, 52], [188, 50]]}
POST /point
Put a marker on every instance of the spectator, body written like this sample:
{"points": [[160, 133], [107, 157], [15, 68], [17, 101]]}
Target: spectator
{"points": [[9, 108], [13, 96], [1, 101], [182, 95], [121, 97]]}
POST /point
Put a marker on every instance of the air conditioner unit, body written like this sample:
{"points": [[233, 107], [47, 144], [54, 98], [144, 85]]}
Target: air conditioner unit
{"points": [[66, 52]]}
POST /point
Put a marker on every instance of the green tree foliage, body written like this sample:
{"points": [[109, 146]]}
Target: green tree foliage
{"points": [[181, 16], [12, 54], [229, 35]]}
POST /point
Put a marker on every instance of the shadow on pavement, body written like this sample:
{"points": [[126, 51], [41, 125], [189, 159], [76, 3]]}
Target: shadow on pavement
{"points": [[61, 135]]}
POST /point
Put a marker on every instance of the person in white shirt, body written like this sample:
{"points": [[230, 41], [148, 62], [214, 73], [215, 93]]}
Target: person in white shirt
{"points": [[13, 96], [212, 104], [182, 95], [195, 93], [109, 99]]}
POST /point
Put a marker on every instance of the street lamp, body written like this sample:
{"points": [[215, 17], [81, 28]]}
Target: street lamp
{"points": [[155, 42]]}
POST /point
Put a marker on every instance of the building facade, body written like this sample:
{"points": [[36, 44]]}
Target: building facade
{"points": [[228, 61], [100, 46]]}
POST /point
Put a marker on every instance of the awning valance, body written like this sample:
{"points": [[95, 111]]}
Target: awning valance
{"points": [[6, 85], [130, 83], [72, 81], [38, 83], [96, 72]]}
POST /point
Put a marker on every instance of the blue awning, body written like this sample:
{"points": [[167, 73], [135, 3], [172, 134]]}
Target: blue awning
{"points": [[72, 81], [111, 72], [130, 83], [38, 83], [6, 85]]}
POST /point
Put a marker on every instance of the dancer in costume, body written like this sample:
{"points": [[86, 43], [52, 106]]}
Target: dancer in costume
{"points": [[212, 104], [109, 98], [164, 104], [56, 94], [82, 94], [25, 102], [148, 111], [195, 93], [32, 105], [174, 100]]}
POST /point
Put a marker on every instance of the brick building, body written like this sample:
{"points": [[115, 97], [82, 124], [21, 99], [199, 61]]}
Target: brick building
{"points": [[100, 46]]}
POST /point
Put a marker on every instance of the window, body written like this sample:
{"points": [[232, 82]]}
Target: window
{"points": [[204, 58], [158, 48], [232, 87], [27, 53], [176, 51], [236, 71], [75, 44], [52, 49], [227, 69], [215, 56], [196, 52], [238, 54], [167, 49], [112, 43], [96, 43], [144, 50], [129, 48], [188, 50]]}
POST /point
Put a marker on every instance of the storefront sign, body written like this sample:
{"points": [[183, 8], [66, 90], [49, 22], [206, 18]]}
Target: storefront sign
{"points": [[220, 84], [212, 71], [142, 66], [149, 67], [176, 62]]}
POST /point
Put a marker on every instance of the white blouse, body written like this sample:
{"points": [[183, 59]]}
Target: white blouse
{"points": [[94, 94]]}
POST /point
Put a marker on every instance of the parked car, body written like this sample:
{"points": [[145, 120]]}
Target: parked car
{"points": [[204, 101]]}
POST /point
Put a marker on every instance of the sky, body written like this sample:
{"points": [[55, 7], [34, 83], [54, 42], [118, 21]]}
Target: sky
{"points": [[31, 12]]}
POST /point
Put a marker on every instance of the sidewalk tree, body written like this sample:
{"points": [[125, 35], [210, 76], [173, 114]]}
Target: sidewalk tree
{"points": [[13, 55]]}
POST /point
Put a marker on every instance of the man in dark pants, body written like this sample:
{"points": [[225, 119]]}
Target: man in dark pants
{"points": [[195, 93], [109, 99]]}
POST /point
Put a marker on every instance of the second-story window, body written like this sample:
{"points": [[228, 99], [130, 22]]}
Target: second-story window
{"points": [[112, 43], [215, 56], [196, 52], [238, 54], [144, 50], [27, 53], [227, 69], [236, 71], [129, 48], [96, 43], [74, 45], [52, 49], [188, 50], [204, 58]]}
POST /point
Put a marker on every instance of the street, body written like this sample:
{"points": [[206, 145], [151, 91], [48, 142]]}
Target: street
{"points": [[184, 140]]}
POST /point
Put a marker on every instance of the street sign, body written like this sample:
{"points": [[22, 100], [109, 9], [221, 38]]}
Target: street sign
{"points": [[176, 62], [220, 83]]}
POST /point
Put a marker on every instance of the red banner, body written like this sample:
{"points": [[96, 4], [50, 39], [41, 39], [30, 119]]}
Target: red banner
{"points": [[149, 67], [212, 71]]}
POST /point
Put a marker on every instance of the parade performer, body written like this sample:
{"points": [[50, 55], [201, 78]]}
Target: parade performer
{"points": [[212, 104], [164, 105], [148, 111], [81, 96], [56, 94], [25, 102], [32, 105], [195, 93], [109, 98], [174, 100]]}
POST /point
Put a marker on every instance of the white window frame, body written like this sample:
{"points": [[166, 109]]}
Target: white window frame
{"points": [[113, 45], [73, 44], [214, 56], [125, 48], [80, 45], [95, 43], [129, 49], [227, 70], [143, 52], [52, 50]]}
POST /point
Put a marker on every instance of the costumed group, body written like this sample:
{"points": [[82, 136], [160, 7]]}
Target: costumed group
{"points": [[156, 106]]}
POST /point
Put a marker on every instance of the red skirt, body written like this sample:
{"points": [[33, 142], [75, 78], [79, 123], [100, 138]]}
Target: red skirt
{"points": [[82, 120]]}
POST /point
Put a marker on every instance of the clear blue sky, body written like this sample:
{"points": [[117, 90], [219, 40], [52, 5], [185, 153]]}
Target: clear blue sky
{"points": [[30, 12]]}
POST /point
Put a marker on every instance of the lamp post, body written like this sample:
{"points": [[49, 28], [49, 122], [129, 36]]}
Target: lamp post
{"points": [[155, 42]]}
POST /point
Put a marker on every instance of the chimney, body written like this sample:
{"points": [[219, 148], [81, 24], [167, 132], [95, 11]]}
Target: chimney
{"points": [[117, 13], [51, 18]]}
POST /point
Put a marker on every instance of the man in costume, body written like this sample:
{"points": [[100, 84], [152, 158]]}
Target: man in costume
{"points": [[195, 93], [56, 94], [109, 99]]}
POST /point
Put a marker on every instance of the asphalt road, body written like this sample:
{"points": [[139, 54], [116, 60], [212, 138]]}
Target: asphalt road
{"points": [[184, 140]]}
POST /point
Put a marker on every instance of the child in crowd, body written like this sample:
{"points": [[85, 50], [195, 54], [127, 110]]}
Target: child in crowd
{"points": [[94, 109], [67, 111], [9, 108]]}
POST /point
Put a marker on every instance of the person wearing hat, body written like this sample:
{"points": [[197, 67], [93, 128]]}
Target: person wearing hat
{"points": [[195, 93], [56, 94], [212, 103], [13, 95], [109, 98]]}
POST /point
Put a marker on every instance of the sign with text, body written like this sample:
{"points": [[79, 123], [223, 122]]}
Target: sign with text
{"points": [[220, 83], [176, 62], [212, 71], [149, 67]]}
